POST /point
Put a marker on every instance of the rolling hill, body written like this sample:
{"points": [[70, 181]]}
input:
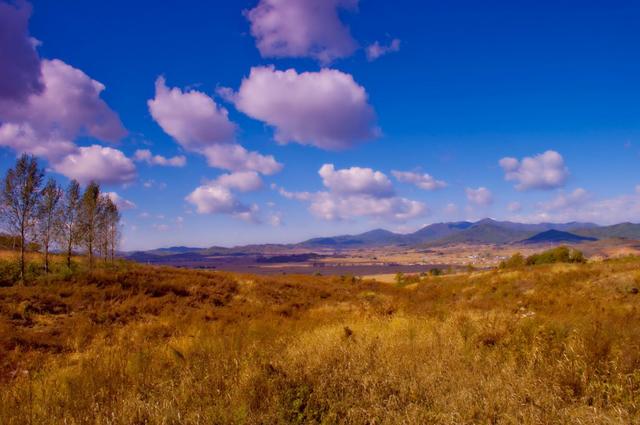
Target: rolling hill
{"points": [[556, 236]]}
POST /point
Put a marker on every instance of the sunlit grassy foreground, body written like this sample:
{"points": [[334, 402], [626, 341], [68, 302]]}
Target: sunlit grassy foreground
{"points": [[133, 345]]}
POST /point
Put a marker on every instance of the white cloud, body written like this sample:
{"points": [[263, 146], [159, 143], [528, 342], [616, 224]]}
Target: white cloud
{"points": [[103, 164], [195, 121], [376, 50], [120, 202], [246, 181], [192, 118], [451, 209], [357, 192], [217, 197], [581, 206], [145, 155], [326, 109], [24, 139], [234, 157], [68, 107], [423, 181], [480, 196], [544, 171], [302, 28], [356, 181]]}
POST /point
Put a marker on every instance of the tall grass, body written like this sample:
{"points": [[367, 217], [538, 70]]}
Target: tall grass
{"points": [[133, 345]]}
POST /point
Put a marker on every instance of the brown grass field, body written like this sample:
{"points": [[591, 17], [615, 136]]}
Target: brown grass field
{"points": [[133, 344]]}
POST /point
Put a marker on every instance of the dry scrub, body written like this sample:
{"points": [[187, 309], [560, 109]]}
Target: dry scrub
{"points": [[139, 345]]}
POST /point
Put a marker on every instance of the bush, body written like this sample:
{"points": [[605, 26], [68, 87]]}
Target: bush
{"points": [[516, 260], [561, 254]]}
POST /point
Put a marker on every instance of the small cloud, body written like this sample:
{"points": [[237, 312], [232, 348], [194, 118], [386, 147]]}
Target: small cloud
{"points": [[120, 202], [376, 50], [544, 171], [480, 196], [423, 181], [145, 155]]}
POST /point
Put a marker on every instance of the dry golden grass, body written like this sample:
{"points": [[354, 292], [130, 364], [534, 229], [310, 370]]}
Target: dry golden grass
{"points": [[131, 344]]}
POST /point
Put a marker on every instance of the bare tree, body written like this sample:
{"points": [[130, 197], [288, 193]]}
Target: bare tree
{"points": [[112, 216], [20, 194], [89, 215], [69, 225], [48, 217]]}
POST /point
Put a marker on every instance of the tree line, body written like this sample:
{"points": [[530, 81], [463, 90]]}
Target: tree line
{"points": [[42, 214]]}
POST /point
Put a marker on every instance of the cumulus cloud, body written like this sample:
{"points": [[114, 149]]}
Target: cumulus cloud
{"points": [[20, 74], [217, 196], [234, 157], [192, 118], [103, 164], [145, 155], [356, 181], [423, 181], [480, 196], [357, 192], [326, 109], [376, 50], [121, 203], [24, 139], [69, 106], [246, 181], [199, 125], [302, 28], [544, 171]]}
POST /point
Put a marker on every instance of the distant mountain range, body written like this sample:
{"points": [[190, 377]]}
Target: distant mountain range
{"points": [[485, 231]]}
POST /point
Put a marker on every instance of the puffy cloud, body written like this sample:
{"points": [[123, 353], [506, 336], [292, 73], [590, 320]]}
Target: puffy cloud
{"points": [[326, 109], [69, 106], [451, 209], [192, 118], [423, 181], [20, 74], [544, 171], [145, 155], [331, 206], [357, 192], [23, 138], [103, 164], [375, 50], [121, 203], [234, 157], [480, 196], [302, 28], [246, 181], [356, 181], [195, 121], [217, 197]]}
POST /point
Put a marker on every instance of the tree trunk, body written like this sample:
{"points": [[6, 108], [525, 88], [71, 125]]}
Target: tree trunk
{"points": [[46, 259], [22, 249], [69, 255]]}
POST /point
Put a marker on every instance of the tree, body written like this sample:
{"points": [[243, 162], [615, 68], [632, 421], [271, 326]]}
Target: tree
{"points": [[20, 194], [89, 215], [48, 217], [112, 221], [69, 225]]}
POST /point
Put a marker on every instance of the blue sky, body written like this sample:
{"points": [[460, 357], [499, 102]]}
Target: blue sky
{"points": [[464, 86]]}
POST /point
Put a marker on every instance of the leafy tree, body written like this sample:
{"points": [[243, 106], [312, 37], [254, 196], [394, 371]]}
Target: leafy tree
{"points": [[48, 217], [69, 229], [20, 195]]}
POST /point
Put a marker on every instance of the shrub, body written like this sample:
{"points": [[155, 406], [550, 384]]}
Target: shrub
{"points": [[561, 254]]}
